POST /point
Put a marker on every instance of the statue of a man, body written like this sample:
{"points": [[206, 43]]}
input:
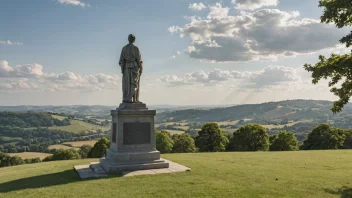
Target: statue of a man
{"points": [[131, 68]]}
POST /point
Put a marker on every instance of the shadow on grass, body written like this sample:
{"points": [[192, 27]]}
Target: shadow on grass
{"points": [[344, 192], [65, 177]]}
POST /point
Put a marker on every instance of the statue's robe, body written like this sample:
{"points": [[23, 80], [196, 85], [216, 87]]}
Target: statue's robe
{"points": [[131, 68]]}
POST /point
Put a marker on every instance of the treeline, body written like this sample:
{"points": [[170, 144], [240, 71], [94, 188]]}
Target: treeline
{"points": [[253, 137], [27, 120], [39, 139], [7, 160]]}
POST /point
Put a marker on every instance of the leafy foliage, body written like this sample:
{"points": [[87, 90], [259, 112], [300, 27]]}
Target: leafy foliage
{"points": [[284, 141], [84, 150], [337, 67], [62, 154], [324, 137], [252, 137], [163, 141], [211, 138], [183, 143], [99, 149], [6, 160]]}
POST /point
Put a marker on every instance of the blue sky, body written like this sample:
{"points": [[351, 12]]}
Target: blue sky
{"points": [[64, 52]]}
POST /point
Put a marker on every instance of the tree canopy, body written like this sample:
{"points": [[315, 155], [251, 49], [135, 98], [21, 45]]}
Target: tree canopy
{"points": [[337, 67], [252, 137], [183, 143], [284, 141], [211, 138], [164, 143]]}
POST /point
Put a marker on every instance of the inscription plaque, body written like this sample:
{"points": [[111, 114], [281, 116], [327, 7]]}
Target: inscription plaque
{"points": [[136, 133], [114, 132]]}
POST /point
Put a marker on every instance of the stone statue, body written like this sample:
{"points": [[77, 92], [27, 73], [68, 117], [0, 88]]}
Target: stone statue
{"points": [[131, 68]]}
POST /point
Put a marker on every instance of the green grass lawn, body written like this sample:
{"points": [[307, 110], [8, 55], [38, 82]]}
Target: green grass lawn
{"points": [[259, 174]]}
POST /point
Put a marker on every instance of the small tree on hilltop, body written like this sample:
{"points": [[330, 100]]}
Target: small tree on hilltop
{"points": [[252, 137], [211, 138], [324, 137], [284, 141], [183, 143], [164, 143], [99, 148]]}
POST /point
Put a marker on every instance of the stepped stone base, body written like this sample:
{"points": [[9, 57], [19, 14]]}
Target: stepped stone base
{"points": [[95, 170]]}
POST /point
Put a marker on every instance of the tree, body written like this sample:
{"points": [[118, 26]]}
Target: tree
{"points": [[348, 140], [211, 138], [99, 149], [337, 67], [284, 141], [252, 137], [183, 143], [84, 150], [324, 137], [163, 141]]}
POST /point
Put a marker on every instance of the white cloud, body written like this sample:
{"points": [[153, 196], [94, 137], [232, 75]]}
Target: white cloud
{"points": [[197, 6], [268, 77], [8, 42], [265, 34], [32, 77], [253, 4], [73, 2]]}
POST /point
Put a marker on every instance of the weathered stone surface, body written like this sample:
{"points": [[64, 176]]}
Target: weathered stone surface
{"points": [[92, 170]]}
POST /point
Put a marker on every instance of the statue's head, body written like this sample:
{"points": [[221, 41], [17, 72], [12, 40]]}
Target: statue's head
{"points": [[131, 38]]}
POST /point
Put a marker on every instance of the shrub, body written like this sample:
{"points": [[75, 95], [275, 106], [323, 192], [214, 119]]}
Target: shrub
{"points": [[99, 149], [284, 141]]}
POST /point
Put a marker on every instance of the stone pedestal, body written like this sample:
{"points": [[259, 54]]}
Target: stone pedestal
{"points": [[132, 144]]}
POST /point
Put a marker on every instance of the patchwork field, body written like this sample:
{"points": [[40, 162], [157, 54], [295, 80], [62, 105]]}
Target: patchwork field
{"points": [[75, 145], [248, 174], [27, 155]]}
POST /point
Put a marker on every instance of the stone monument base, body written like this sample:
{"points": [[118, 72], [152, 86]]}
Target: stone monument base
{"points": [[132, 145], [130, 161]]}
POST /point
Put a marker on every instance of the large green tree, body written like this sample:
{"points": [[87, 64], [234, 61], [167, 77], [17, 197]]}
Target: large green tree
{"points": [[324, 137], [211, 138], [163, 141], [99, 148], [252, 137], [183, 143], [284, 141], [337, 67]]}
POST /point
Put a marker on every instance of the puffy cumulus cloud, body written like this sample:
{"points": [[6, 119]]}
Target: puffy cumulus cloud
{"points": [[264, 34], [23, 71], [268, 77], [197, 6], [253, 4], [32, 77], [73, 2], [8, 42]]}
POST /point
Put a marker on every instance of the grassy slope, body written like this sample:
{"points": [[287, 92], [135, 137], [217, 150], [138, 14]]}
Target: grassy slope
{"points": [[26, 155], [78, 126], [299, 174]]}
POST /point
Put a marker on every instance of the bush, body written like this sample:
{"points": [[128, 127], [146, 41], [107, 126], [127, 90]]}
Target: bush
{"points": [[62, 154], [6, 160], [84, 150], [284, 141], [99, 149], [183, 143], [211, 138], [324, 137], [163, 141], [252, 137]]}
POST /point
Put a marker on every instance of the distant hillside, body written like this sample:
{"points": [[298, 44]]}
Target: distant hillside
{"points": [[26, 120], [267, 113]]}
